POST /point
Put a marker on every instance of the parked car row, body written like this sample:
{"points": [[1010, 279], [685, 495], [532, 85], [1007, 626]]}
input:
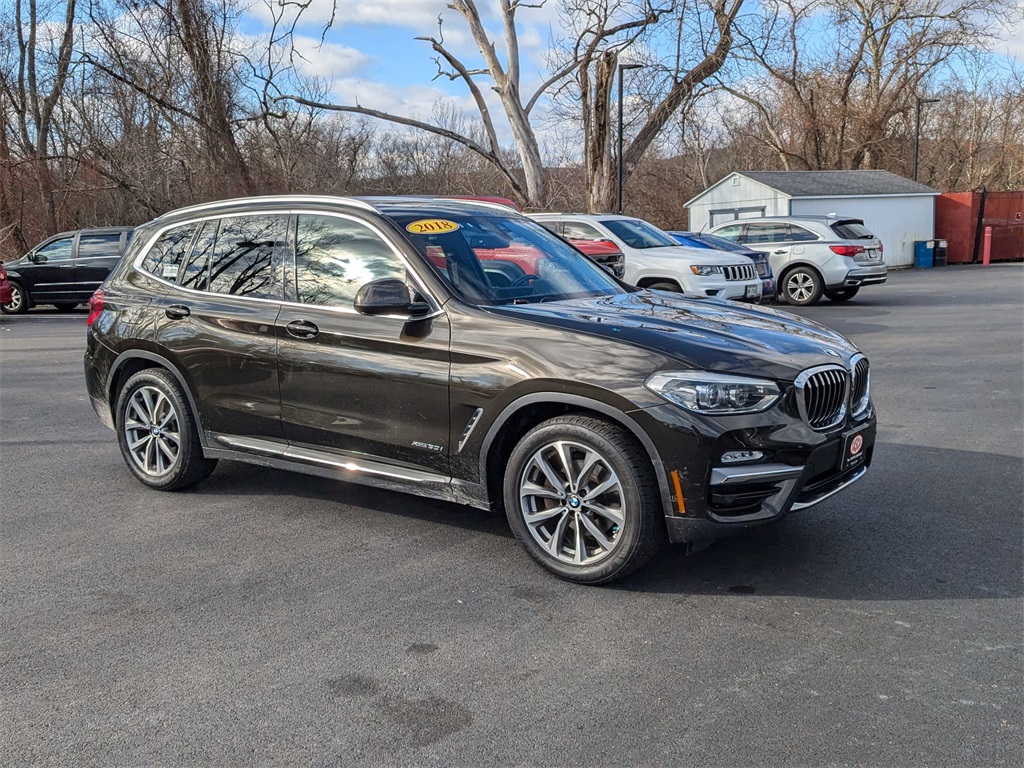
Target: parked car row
{"points": [[800, 259]]}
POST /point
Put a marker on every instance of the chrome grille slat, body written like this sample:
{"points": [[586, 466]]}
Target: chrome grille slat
{"points": [[739, 272], [861, 386], [822, 396]]}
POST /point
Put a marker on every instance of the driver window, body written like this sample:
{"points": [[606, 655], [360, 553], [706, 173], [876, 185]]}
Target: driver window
{"points": [[58, 250], [335, 257]]}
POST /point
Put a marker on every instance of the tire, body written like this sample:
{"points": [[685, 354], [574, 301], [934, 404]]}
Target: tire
{"points": [[150, 399], [842, 294], [801, 287], [665, 286], [66, 306], [623, 525], [18, 305]]}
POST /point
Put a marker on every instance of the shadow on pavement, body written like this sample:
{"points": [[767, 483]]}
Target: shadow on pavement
{"points": [[925, 524]]}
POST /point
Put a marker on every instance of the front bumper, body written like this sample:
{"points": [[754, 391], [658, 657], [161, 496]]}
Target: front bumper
{"points": [[719, 288], [800, 468]]}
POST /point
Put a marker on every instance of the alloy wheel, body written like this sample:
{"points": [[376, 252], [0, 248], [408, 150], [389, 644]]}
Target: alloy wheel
{"points": [[572, 502], [152, 431], [800, 286], [17, 299]]}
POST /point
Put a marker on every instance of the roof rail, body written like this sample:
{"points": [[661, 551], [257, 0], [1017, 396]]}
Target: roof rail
{"points": [[354, 201]]}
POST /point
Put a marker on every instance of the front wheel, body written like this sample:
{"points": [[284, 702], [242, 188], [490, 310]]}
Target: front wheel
{"points": [[801, 287], [842, 294], [665, 285], [581, 497], [157, 433], [19, 301]]}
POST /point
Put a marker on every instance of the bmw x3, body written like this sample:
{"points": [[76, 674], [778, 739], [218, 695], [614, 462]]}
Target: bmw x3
{"points": [[460, 351]]}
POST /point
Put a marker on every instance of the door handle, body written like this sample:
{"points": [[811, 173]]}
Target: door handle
{"points": [[302, 329], [782, 250], [177, 312]]}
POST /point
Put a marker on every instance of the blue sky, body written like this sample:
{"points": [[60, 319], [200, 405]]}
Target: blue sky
{"points": [[370, 56]]}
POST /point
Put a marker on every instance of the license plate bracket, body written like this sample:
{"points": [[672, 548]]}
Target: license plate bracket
{"points": [[854, 450], [753, 291]]}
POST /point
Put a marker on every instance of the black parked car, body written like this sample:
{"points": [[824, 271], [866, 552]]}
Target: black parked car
{"points": [[65, 269], [386, 341]]}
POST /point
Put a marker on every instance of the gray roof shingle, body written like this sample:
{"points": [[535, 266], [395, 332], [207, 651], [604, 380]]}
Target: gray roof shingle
{"points": [[825, 183]]}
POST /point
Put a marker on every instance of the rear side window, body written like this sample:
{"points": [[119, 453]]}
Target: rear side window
{"points": [[165, 257], [552, 226], [242, 262], [852, 230], [108, 244], [335, 257]]}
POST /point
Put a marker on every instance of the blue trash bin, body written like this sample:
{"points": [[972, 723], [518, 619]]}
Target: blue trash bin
{"points": [[923, 254]]}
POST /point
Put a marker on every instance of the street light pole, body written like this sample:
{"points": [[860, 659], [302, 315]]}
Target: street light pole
{"points": [[618, 178], [917, 128]]}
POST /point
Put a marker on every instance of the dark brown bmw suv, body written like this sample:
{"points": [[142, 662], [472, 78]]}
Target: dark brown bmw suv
{"points": [[461, 351]]}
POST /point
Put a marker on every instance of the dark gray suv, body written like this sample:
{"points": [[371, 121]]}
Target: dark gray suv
{"points": [[461, 351]]}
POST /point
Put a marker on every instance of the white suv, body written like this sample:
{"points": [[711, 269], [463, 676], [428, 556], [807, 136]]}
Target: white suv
{"points": [[655, 260], [813, 255]]}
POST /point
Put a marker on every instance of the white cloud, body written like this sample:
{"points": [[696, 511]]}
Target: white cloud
{"points": [[328, 60], [417, 14], [1012, 42]]}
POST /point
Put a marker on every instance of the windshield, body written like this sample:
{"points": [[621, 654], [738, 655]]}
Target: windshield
{"points": [[713, 241], [638, 234], [493, 259]]}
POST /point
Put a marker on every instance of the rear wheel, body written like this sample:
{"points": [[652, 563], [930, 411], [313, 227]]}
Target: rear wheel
{"points": [[842, 294], [581, 497], [801, 287], [157, 434], [18, 303]]}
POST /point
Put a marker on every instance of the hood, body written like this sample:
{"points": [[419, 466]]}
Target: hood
{"points": [[685, 254], [704, 334]]}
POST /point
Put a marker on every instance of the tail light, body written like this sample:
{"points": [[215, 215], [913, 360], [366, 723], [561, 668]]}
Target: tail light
{"points": [[95, 306], [3, 272], [847, 250]]}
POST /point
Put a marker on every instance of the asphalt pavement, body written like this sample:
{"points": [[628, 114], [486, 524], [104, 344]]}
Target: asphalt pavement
{"points": [[268, 618]]}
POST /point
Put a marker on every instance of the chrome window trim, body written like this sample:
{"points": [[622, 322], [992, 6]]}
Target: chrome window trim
{"points": [[282, 199], [431, 299]]}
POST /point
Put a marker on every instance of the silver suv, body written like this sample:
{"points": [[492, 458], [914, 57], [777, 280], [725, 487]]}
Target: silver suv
{"points": [[655, 260], [813, 255]]}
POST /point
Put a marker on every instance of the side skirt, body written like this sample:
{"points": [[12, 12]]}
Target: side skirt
{"points": [[363, 470]]}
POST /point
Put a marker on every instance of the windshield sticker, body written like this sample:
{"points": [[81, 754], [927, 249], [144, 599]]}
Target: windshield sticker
{"points": [[431, 227], [170, 271]]}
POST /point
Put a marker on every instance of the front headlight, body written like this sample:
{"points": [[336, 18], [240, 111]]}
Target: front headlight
{"points": [[714, 393], [705, 271]]}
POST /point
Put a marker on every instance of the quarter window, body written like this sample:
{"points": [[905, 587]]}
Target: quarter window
{"points": [[800, 235], [335, 257], [165, 257], [242, 263], [58, 250]]}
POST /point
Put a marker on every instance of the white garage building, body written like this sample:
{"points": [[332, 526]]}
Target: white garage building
{"points": [[897, 210]]}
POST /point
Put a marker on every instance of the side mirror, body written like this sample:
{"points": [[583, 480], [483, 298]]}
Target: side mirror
{"points": [[35, 258], [388, 296]]}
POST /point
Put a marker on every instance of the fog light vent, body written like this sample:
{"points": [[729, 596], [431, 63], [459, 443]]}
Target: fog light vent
{"points": [[734, 457]]}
